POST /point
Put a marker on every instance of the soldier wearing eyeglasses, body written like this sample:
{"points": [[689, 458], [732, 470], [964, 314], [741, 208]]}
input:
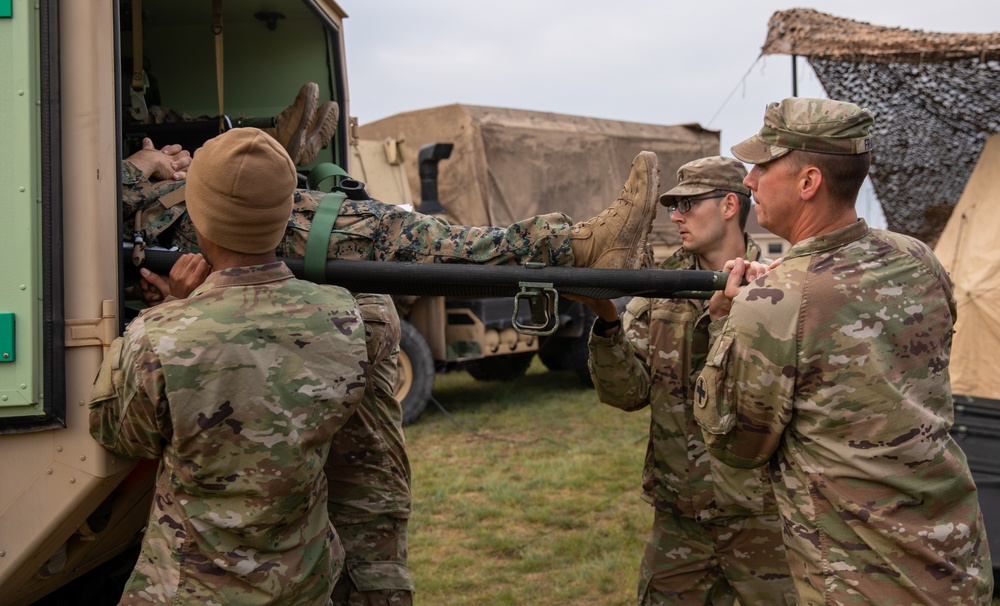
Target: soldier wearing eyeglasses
{"points": [[716, 534]]}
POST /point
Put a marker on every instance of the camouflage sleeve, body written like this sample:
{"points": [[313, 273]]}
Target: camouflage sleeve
{"points": [[926, 256], [131, 176], [744, 395], [715, 328], [367, 468], [618, 363], [128, 406], [382, 334], [131, 173]]}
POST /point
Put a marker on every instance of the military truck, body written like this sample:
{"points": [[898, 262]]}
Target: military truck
{"points": [[78, 78], [476, 165], [69, 509]]}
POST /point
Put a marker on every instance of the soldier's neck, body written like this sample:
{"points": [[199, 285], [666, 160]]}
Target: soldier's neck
{"points": [[221, 258], [733, 245]]}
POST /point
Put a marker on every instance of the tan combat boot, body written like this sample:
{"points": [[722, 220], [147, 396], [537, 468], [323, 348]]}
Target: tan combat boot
{"points": [[293, 122], [324, 125], [617, 238]]}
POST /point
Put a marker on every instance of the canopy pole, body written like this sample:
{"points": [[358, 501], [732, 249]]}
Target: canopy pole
{"points": [[795, 76]]}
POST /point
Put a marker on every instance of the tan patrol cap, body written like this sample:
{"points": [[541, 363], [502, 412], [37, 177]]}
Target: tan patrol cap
{"points": [[705, 175], [817, 125]]}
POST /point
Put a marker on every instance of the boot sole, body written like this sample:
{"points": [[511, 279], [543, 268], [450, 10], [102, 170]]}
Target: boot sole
{"points": [[321, 134], [309, 93]]}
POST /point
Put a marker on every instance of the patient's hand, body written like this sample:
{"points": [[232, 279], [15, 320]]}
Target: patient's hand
{"points": [[169, 163]]}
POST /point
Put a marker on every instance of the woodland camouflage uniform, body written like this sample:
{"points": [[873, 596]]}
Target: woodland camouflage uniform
{"points": [[365, 230], [716, 532], [833, 370], [155, 213]]}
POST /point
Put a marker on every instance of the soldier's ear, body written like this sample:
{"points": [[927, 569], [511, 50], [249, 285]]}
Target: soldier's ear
{"points": [[810, 179], [730, 206]]}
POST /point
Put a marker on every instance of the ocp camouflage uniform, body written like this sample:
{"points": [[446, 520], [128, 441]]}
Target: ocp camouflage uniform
{"points": [[364, 230], [834, 368], [369, 476], [716, 533], [238, 390]]}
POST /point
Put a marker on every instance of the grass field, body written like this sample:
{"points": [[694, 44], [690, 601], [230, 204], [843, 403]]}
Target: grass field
{"points": [[529, 495]]}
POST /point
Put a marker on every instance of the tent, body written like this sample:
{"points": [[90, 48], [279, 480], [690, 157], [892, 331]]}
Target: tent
{"points": [[511, 164], [968, 250]]}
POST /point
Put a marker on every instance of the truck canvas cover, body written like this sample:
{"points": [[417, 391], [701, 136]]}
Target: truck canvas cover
{"points": [[511, 164]]}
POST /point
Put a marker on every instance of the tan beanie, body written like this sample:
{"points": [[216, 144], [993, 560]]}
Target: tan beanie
{"points": [[239, 190]]}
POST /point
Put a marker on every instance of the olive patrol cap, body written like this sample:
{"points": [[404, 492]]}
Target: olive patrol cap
{"points": [[705, 175], [239, 190], [823, 126]]}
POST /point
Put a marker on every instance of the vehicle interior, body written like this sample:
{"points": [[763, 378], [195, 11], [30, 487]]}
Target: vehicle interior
{"points": [[208, 66], [242, 60]]}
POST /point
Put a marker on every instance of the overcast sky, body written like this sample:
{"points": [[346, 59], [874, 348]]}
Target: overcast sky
{"points": [[661, 62]]}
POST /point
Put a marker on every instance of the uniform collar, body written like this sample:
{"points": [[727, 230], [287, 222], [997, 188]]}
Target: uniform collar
{"points": [[246, 276], [829, 241]]}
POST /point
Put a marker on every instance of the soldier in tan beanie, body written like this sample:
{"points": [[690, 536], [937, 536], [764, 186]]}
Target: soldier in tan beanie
{"points": [[239, 191], [238, 389]]}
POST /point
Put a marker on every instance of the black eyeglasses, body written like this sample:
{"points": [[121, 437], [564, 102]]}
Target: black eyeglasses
{"points": [[684, 204]]}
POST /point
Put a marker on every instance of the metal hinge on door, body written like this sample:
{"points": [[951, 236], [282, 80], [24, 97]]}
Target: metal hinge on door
{"points": [[84, 332]]}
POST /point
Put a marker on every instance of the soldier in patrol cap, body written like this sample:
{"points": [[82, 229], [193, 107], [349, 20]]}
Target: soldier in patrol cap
{"points": [[237, 389], [832, 369], [716, 534]]}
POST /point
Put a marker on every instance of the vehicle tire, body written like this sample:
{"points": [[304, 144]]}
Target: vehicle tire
{"points": [[552, 354], [415, 373], [580, 363], [500, 368], [570, 353], [102, 586]]}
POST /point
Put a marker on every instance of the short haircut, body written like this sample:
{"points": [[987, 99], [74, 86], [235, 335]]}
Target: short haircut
{"points": [[843, 173], [744, 209]]}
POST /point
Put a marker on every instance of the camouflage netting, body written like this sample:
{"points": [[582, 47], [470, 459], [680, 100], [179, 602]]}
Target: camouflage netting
{"points": [[936, 99]]}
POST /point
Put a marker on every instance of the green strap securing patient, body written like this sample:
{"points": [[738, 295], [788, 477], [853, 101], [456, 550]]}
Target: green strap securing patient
{"points": [[323, 177], [319, 236]]}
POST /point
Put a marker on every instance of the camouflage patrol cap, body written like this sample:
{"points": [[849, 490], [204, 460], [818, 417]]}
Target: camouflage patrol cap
{"points": [[239, 190], [705, 175], [817, 125]]}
